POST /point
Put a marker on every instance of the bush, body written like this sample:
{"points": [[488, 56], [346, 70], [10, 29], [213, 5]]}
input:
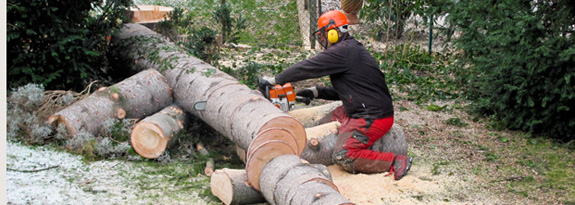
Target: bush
{"points": [[60, 44], [521, 62]]}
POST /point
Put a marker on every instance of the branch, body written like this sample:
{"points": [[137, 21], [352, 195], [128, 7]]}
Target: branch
{"points": [[34, 170]]}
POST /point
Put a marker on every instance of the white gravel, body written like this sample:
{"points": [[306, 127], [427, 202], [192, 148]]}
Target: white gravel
{"points": [[43, 175]]}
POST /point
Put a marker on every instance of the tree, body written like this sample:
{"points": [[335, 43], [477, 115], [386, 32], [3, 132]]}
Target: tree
{"points": [[60, 44], [521, 62]]}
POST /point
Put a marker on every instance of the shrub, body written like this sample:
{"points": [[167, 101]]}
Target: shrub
{"points": [[60, 44], [521, 62]]}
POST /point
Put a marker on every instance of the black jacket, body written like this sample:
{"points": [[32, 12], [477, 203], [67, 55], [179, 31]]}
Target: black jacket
{"points": [[355, 77]]}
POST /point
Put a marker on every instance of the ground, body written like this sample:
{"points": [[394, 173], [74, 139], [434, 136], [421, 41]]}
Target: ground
{"points": [[43, 175]]}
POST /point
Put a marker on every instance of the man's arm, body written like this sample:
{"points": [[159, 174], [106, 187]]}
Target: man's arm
{"points": [[327, 93], [328, 62]]}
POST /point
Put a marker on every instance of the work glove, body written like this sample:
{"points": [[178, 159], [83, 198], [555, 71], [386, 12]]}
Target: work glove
{"points": [[307, 94], [267, 80], [264, 83]]}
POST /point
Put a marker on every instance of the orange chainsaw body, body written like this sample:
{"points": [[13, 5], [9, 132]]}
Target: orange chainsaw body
{"points": [[283, 97]]}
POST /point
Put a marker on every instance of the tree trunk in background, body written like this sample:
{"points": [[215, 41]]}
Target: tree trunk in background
{"points": [[152, 135], [234, 110], [136, 97]]}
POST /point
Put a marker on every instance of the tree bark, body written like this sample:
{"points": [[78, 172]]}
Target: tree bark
{"points": [[231, 186], [136, 97], [152, 135], [288, 179], [320, 148], [322, 134], [234, 110]]}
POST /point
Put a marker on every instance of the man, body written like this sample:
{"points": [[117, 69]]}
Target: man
{"points": [[367, 112]]}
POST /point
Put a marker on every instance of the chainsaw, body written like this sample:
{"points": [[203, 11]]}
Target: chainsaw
{"points": [[282, 96]]}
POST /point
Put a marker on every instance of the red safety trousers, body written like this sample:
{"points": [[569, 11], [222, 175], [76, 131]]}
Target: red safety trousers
{"points": [[352, 151]]}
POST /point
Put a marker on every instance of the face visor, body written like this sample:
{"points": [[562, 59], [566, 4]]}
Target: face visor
{"points": [[321, 34]]}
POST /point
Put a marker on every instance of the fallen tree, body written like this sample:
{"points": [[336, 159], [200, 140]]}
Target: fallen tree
{"points": [[234, 110], [138, 96]]}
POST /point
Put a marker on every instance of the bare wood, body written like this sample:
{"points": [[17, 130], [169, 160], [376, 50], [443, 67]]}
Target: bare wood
{"points": [[232, 187], [261, 156], [151, 136], [241, 154], [317, 115], [140, 95], [278, 134], [120, 113]]}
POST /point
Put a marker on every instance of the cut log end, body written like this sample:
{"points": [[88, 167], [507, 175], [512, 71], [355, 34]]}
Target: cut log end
{"points": [[314, 142], [279, 134], [291, 125], [261, 156], [56, 120], [148, 140], [222, 186]]}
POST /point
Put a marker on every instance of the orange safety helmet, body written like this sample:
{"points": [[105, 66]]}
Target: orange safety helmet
{"points": [[326, 23]]}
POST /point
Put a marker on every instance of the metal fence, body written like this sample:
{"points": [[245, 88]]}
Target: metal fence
{"points": [[308, 12]]}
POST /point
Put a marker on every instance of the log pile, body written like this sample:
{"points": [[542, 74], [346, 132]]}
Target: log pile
{"points": [[271, 141]]}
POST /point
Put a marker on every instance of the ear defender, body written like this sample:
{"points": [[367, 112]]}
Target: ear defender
{"points": [[332, 36]]}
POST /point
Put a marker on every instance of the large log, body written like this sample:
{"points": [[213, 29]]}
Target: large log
{"points": [[152, 135], [234, 110], [322, 139], [288, 179], [135, 97], [322, 134], [231, 186]]}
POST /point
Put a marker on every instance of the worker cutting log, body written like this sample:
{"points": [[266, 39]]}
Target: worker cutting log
{"points": [[367, 111]]}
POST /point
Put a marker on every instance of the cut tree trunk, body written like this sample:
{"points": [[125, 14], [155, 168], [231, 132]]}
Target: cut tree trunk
{"points": [[288, 179], [136, 97], [231, 186], [233, 109], [152, 135], [320, 146], [322, 134]]}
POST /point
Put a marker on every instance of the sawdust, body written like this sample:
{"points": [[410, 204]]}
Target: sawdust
{"points": [[417, 187]]}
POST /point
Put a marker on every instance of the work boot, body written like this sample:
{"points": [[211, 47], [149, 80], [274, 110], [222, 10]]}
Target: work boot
{"points": [[401, 164]]}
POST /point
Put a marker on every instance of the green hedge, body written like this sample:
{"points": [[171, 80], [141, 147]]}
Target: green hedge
{"points": [[521, 58], [60, 43]]}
